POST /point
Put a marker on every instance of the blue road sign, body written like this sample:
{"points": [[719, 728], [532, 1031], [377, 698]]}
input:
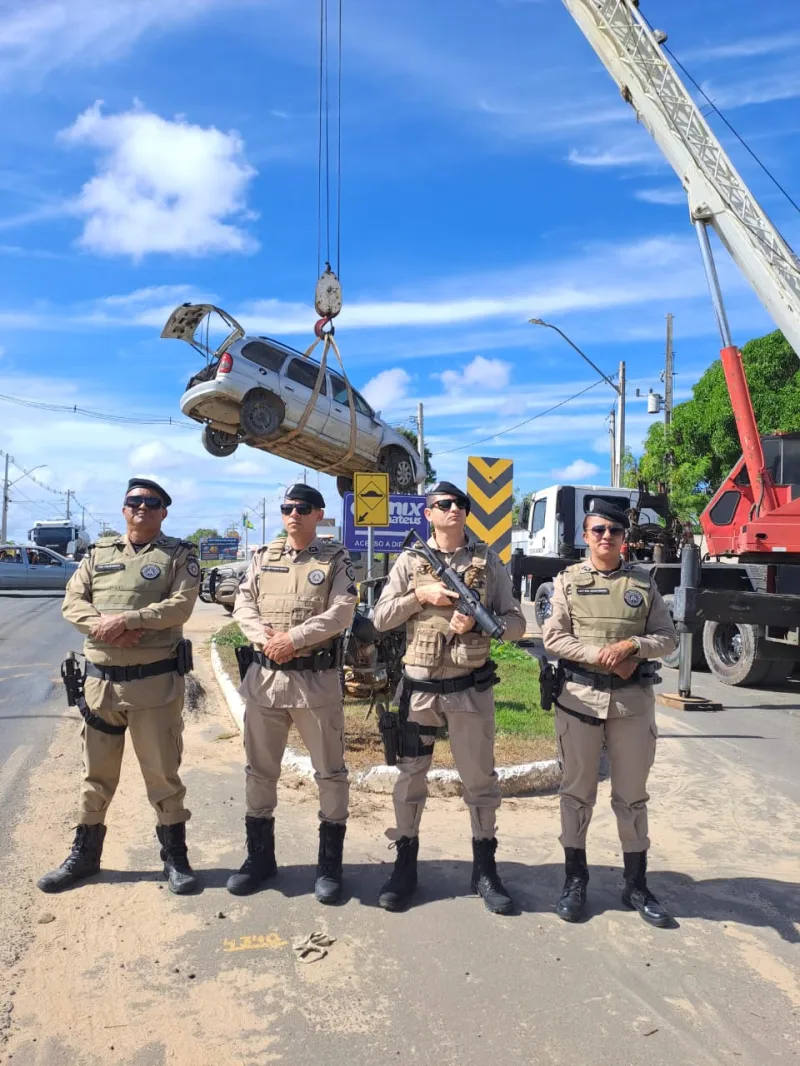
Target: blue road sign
{"points": [[218, 548], [405, 513]]}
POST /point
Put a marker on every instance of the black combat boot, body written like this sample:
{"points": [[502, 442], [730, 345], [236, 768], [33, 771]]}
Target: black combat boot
{"points": [[397, 892], [328, 886], [260, 863], [485, 878], [82, 861], [178, 872], [637, 895], [572, 901]]}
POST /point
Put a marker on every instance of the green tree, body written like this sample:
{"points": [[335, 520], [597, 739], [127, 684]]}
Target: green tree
{"points": [[199, 534], [430, 473], [701, 445]]}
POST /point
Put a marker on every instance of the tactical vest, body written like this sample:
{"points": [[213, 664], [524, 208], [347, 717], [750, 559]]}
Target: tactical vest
{"points": [[427, 631], [124, 583], [289, 592], [605, 610]]}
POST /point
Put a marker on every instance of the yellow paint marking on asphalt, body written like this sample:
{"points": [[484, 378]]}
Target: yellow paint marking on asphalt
{"points": [[256, 942]]}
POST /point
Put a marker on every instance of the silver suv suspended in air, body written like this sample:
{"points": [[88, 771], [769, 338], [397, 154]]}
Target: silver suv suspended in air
{"points": [[254, 390]]}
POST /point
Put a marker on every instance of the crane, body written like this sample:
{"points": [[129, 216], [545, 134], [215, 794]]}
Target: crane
{"points": [[766, 518]]}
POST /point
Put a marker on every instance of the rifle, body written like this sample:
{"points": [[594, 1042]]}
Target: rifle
{"points": [[468, 600]]}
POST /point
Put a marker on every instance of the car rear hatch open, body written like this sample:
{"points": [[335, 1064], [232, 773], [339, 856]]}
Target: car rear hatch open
{"points": [[192, 323]]}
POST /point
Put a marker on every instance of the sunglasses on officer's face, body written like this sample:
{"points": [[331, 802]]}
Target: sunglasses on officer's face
{"points": [[301, 508], [598, 531], [460, 502], [152, 503]]}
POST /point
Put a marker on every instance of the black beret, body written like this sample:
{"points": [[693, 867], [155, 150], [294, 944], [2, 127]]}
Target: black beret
{"points": [[599, 507], [447, 488], [305, 494], [145, 483]]}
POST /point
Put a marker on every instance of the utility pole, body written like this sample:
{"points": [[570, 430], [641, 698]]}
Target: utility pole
{"points": [[668, 375], [69, 493], [83, 518], [612, 433], [264, 520], [4, 523], [621, 427], [421, 448]]}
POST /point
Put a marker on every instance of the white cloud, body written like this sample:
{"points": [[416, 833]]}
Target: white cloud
{"points": [[387, 389], [161, 185], [764, 90], [578, 471], [40, 36], [616, 157], [667, 195], [745, 48], [154, 455], [489, 374]]}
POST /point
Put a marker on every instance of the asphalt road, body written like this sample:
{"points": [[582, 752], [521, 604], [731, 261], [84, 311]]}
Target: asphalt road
{"points": [[118, 971], [34, 640]]}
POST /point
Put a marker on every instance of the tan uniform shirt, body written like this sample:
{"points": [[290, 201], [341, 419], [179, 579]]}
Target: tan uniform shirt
{"points": [[398, 602], [658, 638], [296, 688], [175, 610]]}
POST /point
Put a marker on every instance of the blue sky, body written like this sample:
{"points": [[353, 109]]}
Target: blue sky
{"points": [[157, 151]]}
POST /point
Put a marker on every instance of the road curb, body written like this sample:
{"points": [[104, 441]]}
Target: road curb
{"points": [[524, 778]]}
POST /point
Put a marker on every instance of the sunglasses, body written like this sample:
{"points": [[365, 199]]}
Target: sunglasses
{"points": [[598, 531], [460, 502], [301, 508], [152, 503]]}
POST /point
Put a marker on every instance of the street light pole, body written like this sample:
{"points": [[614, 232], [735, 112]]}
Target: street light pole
{"points": [[4, 523], [618, 458]]}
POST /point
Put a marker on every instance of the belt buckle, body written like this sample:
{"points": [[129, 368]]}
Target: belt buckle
{"points": [[448, 686]]}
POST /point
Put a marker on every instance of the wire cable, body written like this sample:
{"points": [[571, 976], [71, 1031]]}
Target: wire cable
{"points": [[510, 429], [101, 416]]}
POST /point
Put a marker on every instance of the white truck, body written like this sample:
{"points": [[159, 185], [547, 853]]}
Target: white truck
{"points": [[62, 536]]}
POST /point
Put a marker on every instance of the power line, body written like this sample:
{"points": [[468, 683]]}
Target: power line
{"points": [[510, 429], [101, 416]]}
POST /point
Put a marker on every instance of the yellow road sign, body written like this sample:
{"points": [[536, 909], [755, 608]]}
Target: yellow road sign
{"points": [[490, 486], [371, 499]]}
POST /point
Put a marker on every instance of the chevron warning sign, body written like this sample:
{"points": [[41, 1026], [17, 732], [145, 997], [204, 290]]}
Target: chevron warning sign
{"points": [[490, 485]]}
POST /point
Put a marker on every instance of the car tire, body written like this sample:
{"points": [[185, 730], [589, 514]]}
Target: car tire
{"points": [[733, 654], [218, 443], [400, 468], [344, 485], [261, 414], [543, 602]]}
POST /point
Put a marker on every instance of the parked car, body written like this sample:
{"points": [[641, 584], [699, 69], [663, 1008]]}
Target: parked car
{"points": [[23, 567], [254, 390], [223, 584]]}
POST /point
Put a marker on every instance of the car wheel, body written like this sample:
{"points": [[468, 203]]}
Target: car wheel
{"points": [[344, 485], [218, 443], [398, 465], [261, 414]]}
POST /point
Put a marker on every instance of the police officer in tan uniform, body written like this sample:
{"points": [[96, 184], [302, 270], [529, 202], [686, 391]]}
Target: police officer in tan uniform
{"points": [[608, 619], [444, 656], [131, 596], [295, 603]]}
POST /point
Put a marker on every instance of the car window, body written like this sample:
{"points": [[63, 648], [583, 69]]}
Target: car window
{"points": [[46, 559], [539, 512], [34, 558], [340, 396], [305, 373], [11, 555], [264, 355]]}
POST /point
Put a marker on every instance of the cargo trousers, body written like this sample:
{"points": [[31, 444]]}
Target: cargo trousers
{"points": [[630, 740]]}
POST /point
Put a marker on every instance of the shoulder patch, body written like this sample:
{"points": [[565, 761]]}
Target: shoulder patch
{"points": [[193, 566]]}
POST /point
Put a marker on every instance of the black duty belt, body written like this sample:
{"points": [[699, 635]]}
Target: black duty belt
{"points": [[131, 673], [645, 674], [324, 659]]}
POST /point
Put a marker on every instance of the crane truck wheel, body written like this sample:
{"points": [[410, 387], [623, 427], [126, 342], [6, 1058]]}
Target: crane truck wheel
{"points": [[542, 602], [732, 653]]}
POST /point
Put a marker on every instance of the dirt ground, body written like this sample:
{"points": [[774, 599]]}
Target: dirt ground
{"points": [[118, 971]]}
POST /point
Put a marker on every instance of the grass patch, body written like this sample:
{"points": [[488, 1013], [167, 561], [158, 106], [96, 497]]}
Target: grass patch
{"points": [[524, 731]]}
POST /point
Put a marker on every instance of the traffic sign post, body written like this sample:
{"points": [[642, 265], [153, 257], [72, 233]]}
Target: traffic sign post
{"points": [[371, 498]]}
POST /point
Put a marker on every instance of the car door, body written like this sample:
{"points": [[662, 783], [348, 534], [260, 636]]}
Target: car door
{"points": [[368, 428], [13, 569], [298, 378], [44, 569]]}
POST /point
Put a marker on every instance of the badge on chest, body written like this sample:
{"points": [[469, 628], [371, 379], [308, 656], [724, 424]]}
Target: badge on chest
{"points": [[151, 571], [316, 577], [633, 598]]}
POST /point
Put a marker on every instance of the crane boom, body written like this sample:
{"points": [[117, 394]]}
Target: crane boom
{"points": [[718, 196]]}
